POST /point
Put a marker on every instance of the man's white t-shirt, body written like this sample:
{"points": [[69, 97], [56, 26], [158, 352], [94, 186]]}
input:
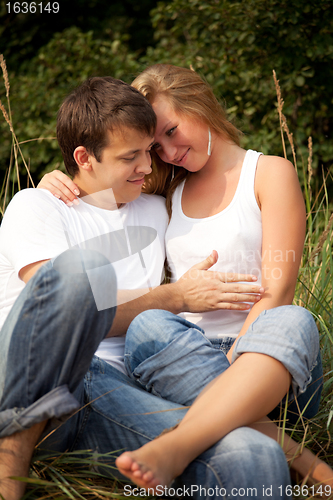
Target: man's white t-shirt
{"points": [[37, 226]]}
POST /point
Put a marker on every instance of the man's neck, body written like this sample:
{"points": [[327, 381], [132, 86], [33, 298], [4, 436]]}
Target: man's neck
{"points": [[102, 199]]}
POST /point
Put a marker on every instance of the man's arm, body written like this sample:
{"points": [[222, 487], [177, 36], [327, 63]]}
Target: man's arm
{"points": [[198, 290], [27, 272], [32, 232], [195, 292]]}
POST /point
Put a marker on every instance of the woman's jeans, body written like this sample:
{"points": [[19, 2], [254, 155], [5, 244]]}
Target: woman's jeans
{"points": [[173, 359], [48, 371]]}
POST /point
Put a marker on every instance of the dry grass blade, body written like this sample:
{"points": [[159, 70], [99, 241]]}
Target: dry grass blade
{"points": [[38, 139], [6, 117], [310, 171], [280, 107], [283, 122], [5, 74], [322, 239]]}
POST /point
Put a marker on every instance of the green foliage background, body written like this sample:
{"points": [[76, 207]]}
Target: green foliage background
{"points": [[234, 44]]}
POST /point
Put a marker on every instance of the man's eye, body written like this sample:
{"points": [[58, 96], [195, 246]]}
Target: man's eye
{"points": [[129, 159]]}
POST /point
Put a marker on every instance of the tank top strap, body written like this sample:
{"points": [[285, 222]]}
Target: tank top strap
{"points": [[177, 198], [247, 178]]}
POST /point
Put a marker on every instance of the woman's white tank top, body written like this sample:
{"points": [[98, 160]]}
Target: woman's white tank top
{"points": [[236, 234]]}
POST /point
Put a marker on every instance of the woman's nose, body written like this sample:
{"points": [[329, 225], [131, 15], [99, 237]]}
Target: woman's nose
{"points": [[168, 153]]}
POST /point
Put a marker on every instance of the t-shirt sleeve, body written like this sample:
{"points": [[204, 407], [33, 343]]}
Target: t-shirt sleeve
{"points": [[33, 229]]}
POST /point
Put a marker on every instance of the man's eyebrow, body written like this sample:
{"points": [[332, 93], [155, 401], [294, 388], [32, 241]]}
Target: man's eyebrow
{"points": [[133, 151], [128, 153]]}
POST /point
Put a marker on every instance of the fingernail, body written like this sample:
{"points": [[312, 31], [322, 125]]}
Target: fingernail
{"points": [[76, 191], [76, 201], [254, 278], [261, 290], [69, 203], [57, 196]]}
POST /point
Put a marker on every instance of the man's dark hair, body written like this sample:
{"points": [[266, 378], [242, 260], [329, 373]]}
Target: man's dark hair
{"points": [[99, 105]]}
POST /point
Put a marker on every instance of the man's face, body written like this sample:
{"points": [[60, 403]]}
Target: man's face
{"points": [[124, 164]]}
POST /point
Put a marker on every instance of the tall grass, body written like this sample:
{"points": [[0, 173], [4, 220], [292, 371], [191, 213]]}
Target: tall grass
{"points": [[12, 176], [314, 289], [71, 476]]}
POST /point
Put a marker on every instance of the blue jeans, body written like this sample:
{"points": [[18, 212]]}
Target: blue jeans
{"points": [[171, 357], [48, 371]]}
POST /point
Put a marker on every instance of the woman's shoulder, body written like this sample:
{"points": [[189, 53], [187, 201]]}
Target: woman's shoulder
{"points": [[274, 162], [274, 167], [275, 176]]}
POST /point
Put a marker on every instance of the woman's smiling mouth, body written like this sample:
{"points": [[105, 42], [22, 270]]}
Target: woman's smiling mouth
{"points": [[182, 158]]}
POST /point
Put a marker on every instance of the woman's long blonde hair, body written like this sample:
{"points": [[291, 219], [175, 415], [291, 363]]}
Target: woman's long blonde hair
{"points": [[189, 95]]}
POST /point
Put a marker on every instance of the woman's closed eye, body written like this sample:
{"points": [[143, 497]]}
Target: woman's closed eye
{"points": [[170, 131]]}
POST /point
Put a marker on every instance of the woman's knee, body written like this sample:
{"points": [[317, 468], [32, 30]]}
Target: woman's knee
{"points": [[294, 319]]}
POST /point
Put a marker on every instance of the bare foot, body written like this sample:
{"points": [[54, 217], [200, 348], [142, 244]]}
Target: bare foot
{"points": [[15, 455], [11, 464], [310, 468], [315, 472], [156, 463], [322, 476]]}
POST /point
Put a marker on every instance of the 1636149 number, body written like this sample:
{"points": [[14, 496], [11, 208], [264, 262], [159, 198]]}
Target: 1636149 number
{"points": [[32, 7], [305, 491]]}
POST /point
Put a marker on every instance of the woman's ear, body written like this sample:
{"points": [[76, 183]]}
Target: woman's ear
{"points": [[82, 158]]}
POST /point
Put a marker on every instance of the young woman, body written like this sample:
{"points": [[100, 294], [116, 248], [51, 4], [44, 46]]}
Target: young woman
{"points": [[250, 208]]}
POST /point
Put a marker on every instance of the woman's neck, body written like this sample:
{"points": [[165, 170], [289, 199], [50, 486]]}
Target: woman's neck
{"points": [[225, 156]]}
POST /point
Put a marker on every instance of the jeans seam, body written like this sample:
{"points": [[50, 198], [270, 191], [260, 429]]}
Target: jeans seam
{"points": [[44, 283], [212, 469], [86, 408]]}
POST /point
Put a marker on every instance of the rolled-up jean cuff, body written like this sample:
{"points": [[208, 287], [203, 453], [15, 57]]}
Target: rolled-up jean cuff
{"points": [[57, 404], [296, 346]]}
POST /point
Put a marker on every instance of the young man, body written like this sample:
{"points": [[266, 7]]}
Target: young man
{"points": [[58, 274]]}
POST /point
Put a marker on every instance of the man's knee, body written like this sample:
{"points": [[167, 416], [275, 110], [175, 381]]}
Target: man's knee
{"points": [[253, 453], [86, 275], [245, 463]]}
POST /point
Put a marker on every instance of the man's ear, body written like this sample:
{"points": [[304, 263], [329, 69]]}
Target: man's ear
{"points": [[82, 158]]}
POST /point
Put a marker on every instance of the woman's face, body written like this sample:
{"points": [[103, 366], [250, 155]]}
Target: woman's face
{"points": [[179, 140]]}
